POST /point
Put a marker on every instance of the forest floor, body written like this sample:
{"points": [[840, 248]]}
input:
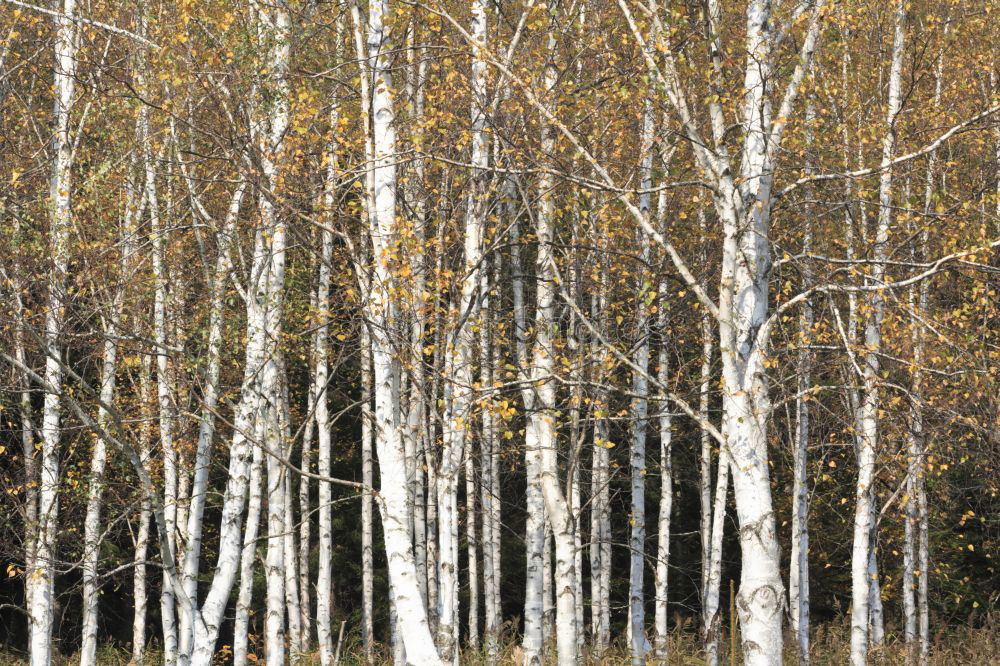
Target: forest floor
{"points": [[956, 646]]}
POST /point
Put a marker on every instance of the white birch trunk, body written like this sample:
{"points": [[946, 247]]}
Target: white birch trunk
{"points": [[666, 480], [534, 541], [367, 477], [712, 623], [274, 31], [320, 395], [600, 509], [798, 574], [542, 419], [395, 500], [472, 545], [862, 555], [60, 220], [164, 391], [139, 589], [274, 566], [548, 603], [305, 519], [638, 645], [28, 433], [292, 608], [206, 428], [461, 355], [139, 583], [705, 458], [489, 486], [914, 549], [248, 557], [92, 521], [264, 311]]}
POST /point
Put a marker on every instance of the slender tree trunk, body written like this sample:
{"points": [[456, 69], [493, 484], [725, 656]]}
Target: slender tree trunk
{"points": [[705, 458], [798, 575], [248, 556], [712, 619], [915, 546], [534, 542], [164, 387], [92, 521], [381, 313], [60, 220], [600, 509], [264, 313], [461, 356], [140, 593], [276, 35], [28, 432], [321, 410], [638, 644], [863, 551], [368, 478], [548, 602], [666, 478], [489, 470], [210, 401], [416, 413], [305, 516], [292, 604], [541, 421], [472, 544]]}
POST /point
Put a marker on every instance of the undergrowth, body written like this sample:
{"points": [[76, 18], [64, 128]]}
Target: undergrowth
{"points": [[830, 646]]}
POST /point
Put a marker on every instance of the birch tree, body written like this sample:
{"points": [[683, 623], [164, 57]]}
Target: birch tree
{"points": [[861, 554], [41, 607]]}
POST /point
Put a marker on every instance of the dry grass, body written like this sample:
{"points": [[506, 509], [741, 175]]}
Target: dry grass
{"points": [[959, 646]]}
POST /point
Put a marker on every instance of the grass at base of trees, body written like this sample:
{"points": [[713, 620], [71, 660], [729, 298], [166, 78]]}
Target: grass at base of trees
{"points": [[956, 646]]}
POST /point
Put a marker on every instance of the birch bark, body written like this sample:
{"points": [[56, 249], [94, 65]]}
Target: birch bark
{"points": [[864, 524], [60, 220], [534, 542], [264, 312], [798, 575], [210, 401], [640, 410], [542, 419], [395, 500], [666, 478], [139, 583], [92, 521], [600, 511], [28, 435], [248, 556], [712, 623], [915, 547], [321, 380]]}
